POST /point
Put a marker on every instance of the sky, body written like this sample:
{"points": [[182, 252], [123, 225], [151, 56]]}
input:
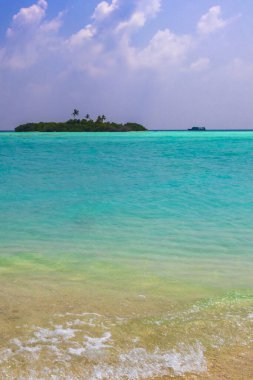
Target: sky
{"points": [[163, 63]]}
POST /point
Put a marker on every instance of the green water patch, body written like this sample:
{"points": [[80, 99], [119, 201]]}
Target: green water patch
{"points": [[156, 280]]}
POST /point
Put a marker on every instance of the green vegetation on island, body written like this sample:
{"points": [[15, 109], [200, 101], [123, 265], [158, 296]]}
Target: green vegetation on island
{"points": [[80, 125]]}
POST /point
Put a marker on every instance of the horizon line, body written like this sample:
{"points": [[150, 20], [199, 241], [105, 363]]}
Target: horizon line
{"points": [[162, 130]]}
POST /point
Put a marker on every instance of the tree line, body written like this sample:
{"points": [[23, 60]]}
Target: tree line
{"points": [[100, 119]]}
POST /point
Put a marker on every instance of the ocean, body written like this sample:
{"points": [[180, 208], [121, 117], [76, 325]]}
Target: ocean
{"points": [[126, 255]]}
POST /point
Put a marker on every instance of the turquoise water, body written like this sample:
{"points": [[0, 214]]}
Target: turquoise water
{"points": [[141, 224]]}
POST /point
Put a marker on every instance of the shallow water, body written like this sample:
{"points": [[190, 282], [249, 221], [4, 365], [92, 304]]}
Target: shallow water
{"points": [[126, 256]]}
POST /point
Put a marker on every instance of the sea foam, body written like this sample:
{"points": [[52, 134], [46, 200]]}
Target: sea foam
{"points": [[139, 364]]}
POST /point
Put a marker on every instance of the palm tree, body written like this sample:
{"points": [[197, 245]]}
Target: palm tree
{"points": [[75, 113], [87, 116], [103, 118], [99, 119]]}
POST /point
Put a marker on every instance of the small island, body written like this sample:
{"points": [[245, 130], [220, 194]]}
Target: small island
{"points": [[81, 125]]}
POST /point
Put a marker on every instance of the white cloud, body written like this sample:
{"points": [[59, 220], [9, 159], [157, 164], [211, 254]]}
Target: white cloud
{"points": [[164, 49], [103, 9], [200, 65], [212, 21], [137, 20], [82, 35], [53, 25], [149, 7], [145, 10], [30, 37], [33, 14], [97, 49]]}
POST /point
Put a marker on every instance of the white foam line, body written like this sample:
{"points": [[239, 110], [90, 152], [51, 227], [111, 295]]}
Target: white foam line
{"points": [[77, 314], [139, 364]]}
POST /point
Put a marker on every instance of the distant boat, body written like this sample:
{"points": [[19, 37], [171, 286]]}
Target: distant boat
{"points": [[197, 129]]}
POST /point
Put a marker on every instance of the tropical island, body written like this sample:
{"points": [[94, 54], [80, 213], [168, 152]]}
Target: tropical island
{"points": [[81, 125]]}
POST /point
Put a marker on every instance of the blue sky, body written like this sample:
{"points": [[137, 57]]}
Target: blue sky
{"points": [[164, 63]]}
